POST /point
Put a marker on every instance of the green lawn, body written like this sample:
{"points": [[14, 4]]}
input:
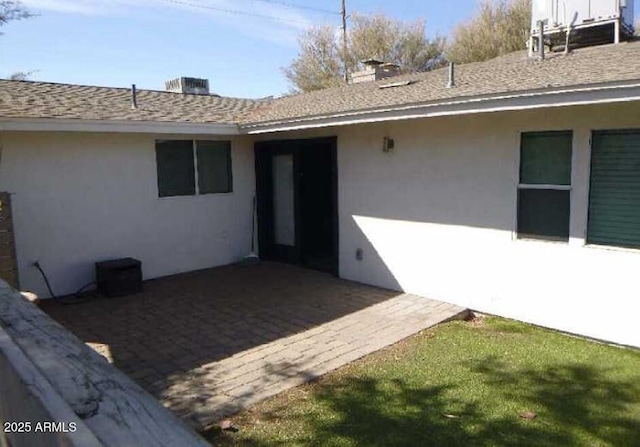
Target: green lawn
{"points": [[462, 383]]}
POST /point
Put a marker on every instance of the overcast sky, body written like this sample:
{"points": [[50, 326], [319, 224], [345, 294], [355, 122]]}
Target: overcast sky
{"points": [[239, 45]]}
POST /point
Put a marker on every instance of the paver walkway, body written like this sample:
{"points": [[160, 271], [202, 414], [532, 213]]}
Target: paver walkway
{"points": [[210, 343], [253, 375]]}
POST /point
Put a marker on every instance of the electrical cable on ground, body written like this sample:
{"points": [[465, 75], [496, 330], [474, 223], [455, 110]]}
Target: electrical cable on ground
{"points": [[71, 299], [46, 280]]}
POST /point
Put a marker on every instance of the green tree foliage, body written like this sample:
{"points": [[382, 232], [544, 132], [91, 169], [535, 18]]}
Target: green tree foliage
{"points": [[321, 60], [389, 40], [318, 64], [500, 27]]}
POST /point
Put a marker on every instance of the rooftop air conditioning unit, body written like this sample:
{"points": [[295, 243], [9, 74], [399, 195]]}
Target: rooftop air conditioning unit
{"points": [[194, 86], [589, 22]]}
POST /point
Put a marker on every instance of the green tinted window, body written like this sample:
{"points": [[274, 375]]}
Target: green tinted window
{"points": [[614, 198], [214, 166], [544, 211], [545, 158], [543, 214], [176, 173]]}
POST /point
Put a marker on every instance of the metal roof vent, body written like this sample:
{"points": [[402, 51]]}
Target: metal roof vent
{"points": [[194, 86]]}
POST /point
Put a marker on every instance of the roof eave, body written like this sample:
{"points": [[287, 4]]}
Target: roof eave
{"points": [[115, 126], [525, 100]]}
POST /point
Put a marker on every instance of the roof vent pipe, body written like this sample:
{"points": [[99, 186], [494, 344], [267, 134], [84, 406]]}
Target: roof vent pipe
{"points": [[134, 97], [541, 38], [452, 75]]}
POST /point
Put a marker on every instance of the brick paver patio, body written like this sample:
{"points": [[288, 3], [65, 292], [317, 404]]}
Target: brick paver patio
{"points": [[210, 343]]}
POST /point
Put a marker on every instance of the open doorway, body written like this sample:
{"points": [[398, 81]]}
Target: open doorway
{"points": [[297, 202]]}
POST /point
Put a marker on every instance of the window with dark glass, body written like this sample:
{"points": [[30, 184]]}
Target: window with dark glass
{"points": [[614, 196], [176, 172], [544, 190], [214, 166], [187, 167]]}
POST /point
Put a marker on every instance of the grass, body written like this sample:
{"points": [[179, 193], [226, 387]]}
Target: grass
{"points": [[462, 383]]}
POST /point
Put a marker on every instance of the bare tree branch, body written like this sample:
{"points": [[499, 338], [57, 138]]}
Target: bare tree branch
{"points": [[320, 62], [13, 10], [22, 75]]}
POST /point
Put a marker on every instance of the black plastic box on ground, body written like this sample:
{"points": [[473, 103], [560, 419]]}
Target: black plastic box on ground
{"points": [[119, 277]]}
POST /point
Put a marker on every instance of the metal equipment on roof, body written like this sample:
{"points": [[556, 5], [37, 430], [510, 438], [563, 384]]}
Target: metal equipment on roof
{"points": [[579, 23], [193, 86]]}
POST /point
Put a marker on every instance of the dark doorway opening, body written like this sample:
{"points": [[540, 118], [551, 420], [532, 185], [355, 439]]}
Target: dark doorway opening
{"points": [[317, 206], [296, 184]]}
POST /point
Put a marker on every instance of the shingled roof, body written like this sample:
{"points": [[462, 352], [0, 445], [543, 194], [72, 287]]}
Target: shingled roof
{"points": [[24, 99], [515, 72], [508, 74]]}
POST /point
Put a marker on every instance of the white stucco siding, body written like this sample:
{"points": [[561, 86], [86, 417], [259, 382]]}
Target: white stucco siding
{"points": [[85, 197], [434, 217], [437, 217]]}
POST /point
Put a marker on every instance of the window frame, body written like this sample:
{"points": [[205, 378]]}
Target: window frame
{"points": [[517, 235], [196, 177], [587, 242]]}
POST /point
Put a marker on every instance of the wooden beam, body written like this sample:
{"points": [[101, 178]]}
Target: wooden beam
{"points": [[117, 411]]}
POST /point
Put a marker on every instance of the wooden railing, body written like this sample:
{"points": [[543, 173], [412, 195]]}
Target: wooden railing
{"points": [[56, 391]]}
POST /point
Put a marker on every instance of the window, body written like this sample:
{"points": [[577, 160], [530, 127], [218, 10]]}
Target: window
{"points": [[187, 167], [545, 185], [214, 166], [176, 174], [614, 197]]}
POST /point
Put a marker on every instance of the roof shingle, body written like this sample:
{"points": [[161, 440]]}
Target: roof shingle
{"points": [[507, 74], [515, 72], [24, 99]]}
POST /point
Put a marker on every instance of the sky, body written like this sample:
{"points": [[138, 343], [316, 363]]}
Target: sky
{"points": [[241, 46]]}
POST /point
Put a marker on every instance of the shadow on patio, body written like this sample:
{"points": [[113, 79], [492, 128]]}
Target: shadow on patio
{"points": [[182, 322]]}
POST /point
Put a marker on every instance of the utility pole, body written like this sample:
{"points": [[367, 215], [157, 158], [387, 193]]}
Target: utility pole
{"points": [[344, 40]]}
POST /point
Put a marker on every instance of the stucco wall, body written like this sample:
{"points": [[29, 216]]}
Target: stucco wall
{"points": [[437, 217], [85, 197]]}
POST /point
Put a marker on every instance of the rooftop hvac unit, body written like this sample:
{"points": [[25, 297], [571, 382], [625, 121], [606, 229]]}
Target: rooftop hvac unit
{"points": [[193, 86], [588, 21]]}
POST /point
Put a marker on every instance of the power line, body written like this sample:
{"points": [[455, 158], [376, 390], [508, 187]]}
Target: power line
{"points": [[233, 11], [298, 6]]}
